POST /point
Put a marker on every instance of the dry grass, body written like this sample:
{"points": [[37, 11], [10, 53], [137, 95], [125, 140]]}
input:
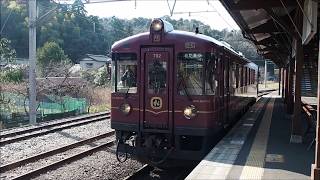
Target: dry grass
{"points": [[101, 100], [270, 85], [101, 95]]}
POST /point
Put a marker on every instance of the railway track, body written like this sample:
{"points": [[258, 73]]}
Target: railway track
{"points": [[20, 135], [90, 145]]}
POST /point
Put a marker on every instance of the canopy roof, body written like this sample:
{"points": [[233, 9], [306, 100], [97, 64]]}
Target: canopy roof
{"points": [[269, 24]]}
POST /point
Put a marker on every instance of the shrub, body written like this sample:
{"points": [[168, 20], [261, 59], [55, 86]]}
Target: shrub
{"points": [[98, 78], [101, 77], [12, 75]]}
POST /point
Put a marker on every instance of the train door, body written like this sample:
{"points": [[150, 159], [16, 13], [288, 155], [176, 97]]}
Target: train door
{"points": [[223, 110], [226, 93], [157, 100]]}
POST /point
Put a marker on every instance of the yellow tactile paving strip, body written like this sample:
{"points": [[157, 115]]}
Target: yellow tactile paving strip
{"points": [[253, 168], [221, 163], [218, 163]]}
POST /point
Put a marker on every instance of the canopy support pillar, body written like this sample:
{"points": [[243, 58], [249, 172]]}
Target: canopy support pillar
{"points": [[315, 171]]}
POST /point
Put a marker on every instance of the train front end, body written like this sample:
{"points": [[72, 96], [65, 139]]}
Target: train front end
{"points": [[159, 116]]}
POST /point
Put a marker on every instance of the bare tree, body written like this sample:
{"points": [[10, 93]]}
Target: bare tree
{"points": [[59, 84]]}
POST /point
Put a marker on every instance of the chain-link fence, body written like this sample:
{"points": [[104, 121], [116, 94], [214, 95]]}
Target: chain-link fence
{"points": [[14, 108]]}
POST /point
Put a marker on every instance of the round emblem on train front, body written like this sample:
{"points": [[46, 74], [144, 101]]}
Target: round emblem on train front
{"points": [[156, 103]]}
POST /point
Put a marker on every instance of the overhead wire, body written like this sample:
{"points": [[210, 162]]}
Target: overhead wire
{"points": [[288, 44], [192, 12], [304, 13], [5, 22], [220, 14], [174, 4], [294, 24], [104, 1]]}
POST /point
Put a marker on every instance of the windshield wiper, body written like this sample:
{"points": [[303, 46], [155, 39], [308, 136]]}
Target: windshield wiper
{"points": [[183, 82], [127, 93]]}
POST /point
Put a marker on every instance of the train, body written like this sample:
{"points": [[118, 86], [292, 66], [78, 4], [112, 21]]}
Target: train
{"points": [[175, 93]]}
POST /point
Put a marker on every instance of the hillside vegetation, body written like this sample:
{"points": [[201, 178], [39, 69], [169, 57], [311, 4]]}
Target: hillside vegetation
{"points": [[77, 33]]}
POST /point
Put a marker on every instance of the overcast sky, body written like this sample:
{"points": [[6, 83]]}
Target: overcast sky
{"points": [[219, 19]]}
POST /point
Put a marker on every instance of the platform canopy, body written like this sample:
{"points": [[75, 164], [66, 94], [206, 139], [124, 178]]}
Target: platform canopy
{"points": [[269, 24]]}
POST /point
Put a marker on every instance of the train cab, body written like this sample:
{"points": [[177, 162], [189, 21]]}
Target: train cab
{"points": [[170, 94]]}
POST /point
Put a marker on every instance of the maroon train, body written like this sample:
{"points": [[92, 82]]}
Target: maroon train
{"points": [[175, 92]]}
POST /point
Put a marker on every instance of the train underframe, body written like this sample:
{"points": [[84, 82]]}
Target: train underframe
{"points": [[166, 150], [185, 147]]}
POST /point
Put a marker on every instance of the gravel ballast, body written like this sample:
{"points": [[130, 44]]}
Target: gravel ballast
{"points": [[100, 165], [26, 148]]}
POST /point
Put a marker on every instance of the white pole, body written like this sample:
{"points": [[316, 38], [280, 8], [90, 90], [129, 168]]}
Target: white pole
{"points": [[265, 73], [32, 61]]}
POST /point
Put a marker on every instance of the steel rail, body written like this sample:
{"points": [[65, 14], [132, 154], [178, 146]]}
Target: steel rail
{"points": [[57, 164], [27, 160], [27, 136], [43, 126], [142, 171]]}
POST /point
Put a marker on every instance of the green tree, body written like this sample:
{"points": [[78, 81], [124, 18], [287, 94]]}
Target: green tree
{"points": [[50, 54], [12, 75], [7, 54], [101, 77], [239, 43], [78, 34], [78, 8], [14, 25]]}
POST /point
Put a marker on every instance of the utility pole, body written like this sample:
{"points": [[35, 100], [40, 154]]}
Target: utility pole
{"points": [[265, 73], [32, 62]]}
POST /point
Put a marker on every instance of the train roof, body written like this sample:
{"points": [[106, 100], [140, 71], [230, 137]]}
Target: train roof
{"points": [[178, 34], [171, 34]]}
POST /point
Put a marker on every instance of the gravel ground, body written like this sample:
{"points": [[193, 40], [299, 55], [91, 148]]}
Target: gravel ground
{"points": [[16, 151], [66, 126], [46, 161], [100, 165], [28, 126]]}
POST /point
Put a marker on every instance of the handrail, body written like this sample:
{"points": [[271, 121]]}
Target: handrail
{"points": [[309, 110]]}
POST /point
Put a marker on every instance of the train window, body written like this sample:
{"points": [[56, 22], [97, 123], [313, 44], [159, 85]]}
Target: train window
{"points": [[157, 78], [210, 81], [241, 76], [233, 79], [246, 76], [196, 74], [237, 76], [124, 73], [253, 76]]}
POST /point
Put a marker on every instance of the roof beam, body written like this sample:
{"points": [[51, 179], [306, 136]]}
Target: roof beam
{"points": [[266, 42], [267, 27], [277, 59], [273, 48], [270, 41], [281, 23], [279, 51], [253, 4]]}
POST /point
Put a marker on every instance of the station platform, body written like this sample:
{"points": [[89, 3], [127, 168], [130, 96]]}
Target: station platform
{"points": [[258, 147], [309, 100]]}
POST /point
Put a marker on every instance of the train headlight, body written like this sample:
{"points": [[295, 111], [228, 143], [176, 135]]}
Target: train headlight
{"points": [[157, 25], [190, 112], [125, 108]]}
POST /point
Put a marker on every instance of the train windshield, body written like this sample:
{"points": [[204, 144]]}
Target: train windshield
{"points": [[196, 74], [124, 73], [157, 80]]}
